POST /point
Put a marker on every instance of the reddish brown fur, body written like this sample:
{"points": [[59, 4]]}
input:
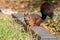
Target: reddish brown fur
{"points": [[33, 19]]}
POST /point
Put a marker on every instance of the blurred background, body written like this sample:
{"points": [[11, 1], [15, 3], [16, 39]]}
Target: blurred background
{"points": [[26, 5]]}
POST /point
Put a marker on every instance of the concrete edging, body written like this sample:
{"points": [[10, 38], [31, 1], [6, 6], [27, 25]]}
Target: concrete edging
{"points": [[45, 35]]}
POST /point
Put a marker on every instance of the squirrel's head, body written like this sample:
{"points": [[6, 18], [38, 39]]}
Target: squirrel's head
{"points": [[26, 18]]}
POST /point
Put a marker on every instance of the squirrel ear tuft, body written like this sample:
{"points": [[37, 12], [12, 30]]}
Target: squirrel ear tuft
{"points": [[25, 14]]}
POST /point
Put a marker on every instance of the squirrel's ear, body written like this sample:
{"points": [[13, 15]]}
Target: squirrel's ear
{"points": [[25, 14]]}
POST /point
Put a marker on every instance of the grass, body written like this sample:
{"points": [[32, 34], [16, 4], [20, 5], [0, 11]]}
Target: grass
{"points": [[10, 30]]}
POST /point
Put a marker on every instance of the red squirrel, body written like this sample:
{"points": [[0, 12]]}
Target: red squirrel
{"points": [[35, 19]]}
